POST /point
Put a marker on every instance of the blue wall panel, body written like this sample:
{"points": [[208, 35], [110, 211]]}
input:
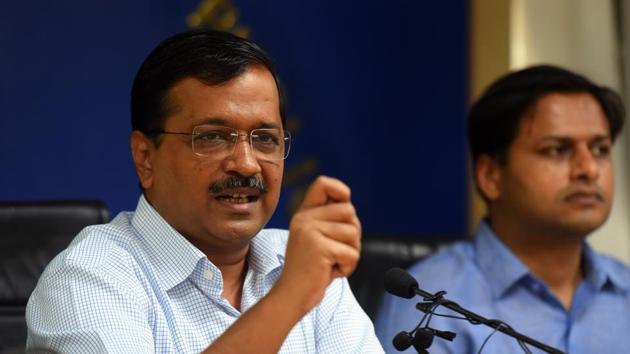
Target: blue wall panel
{"points": [[377, 96]]}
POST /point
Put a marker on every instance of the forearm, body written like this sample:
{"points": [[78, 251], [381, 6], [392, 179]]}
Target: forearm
{"points": [[324, 243]]}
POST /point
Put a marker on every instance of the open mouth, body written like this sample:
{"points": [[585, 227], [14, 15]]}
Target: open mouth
{"points": [[238, 198]]}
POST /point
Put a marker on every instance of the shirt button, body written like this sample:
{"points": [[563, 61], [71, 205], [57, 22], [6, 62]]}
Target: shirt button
{"points": [[208, 275]]}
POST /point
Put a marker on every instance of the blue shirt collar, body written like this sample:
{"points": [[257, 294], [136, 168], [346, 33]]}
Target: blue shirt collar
{"points": [[503, 269], [175, 258], [601, 273]]}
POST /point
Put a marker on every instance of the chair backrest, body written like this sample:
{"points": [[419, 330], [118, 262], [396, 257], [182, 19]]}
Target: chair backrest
{"points": [[379, 254], [31, 234]]}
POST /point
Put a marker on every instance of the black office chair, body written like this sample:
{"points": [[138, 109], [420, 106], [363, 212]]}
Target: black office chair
{"points": [[31, 234], [379, 254]]}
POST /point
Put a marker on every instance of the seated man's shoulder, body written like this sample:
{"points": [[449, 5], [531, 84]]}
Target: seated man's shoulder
{"points": [[458, 254], [617, 268], [450, 267], [96, 284], [101, 263], [99, 247]]}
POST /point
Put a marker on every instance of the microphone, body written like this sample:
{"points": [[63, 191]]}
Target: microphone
{"points": [[402, 341], [421, 340], [400, 283]]}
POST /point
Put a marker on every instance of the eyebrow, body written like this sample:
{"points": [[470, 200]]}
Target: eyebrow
{"points": [[224, 122], [563, 138]]}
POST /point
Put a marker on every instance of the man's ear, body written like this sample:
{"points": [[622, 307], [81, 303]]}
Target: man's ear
{"points": [[488, 174], [142, 151]]}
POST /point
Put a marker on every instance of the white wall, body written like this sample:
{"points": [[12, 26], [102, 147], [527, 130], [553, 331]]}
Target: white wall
{"points": [[580, 35]]}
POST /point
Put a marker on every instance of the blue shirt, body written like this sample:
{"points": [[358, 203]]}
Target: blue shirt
{"points": [[484, 277], [136, 285]]}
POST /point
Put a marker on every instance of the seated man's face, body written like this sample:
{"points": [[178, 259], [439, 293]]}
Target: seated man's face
{"points": [[559, 175], [180, 185]]}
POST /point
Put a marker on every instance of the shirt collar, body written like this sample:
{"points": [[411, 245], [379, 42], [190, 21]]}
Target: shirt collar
{"points": [[173, 256], [601, 273], [266, 252], [503, 269], [500, 266]]}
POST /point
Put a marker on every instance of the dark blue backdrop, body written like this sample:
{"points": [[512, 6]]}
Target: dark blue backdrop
{"points": [[377, 96]]}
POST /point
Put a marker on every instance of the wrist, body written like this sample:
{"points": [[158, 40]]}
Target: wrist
{"points": [[291, 298]]}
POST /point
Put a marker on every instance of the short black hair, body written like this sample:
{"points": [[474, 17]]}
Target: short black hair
{"points": [[495, 118], [211, 56]]}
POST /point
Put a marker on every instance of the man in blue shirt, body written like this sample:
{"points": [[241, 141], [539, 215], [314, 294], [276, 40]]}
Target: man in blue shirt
{"points": [[192, 269], [541, 143]]}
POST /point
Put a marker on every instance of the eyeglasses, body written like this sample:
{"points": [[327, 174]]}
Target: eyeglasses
{"points": [[218, 142]]}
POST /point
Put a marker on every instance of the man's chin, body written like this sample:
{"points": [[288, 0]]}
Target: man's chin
{"points": [[238, 230], [583, 226]]}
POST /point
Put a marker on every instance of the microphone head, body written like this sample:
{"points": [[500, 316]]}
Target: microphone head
{"points": [[400, 283], [402, 341], [422, 339]]}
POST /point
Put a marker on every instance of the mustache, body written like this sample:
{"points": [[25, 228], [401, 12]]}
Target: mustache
{"points": [[233, 182], [591, 189]]}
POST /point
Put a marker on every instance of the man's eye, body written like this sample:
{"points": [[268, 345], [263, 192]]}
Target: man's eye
{"points": [[601, 150], [556, 150], [266, 138], [213, 136]]}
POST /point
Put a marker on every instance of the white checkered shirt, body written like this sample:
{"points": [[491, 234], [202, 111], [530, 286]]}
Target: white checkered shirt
{"points": [[136, 285]]}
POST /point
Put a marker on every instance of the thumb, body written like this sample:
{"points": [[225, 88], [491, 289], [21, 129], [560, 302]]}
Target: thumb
{"points": [[325, 190]]}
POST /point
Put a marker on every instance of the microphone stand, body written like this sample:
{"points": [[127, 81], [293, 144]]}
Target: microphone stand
{"points": [[477, 319]]}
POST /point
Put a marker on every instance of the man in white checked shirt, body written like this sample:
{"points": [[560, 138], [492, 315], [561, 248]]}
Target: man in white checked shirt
{"points": [[192, 269]]}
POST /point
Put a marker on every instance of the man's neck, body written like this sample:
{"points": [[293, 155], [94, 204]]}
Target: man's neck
{"points": [[232, 262], [233, 268], [556, 259]]}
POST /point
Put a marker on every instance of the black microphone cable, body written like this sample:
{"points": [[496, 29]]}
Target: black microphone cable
{"points": [[498, 323], [503, 324], [420, 337]]}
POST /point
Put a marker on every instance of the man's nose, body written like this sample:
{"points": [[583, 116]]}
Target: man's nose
{"points": [[584, 165], [243, 158]]}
